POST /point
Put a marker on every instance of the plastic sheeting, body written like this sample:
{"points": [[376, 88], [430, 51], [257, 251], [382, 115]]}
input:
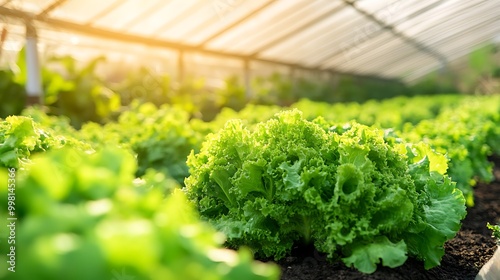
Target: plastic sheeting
{"points": [[402, 38]]}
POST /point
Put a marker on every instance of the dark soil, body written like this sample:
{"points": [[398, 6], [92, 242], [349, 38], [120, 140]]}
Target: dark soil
{"points": [[465, 254]]}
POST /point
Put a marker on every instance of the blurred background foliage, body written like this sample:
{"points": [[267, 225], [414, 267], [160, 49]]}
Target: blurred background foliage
{"points": [[478, 73], [77, 90]]}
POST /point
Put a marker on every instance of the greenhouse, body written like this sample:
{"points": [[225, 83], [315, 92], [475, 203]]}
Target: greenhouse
{"points": [[264, 139]]}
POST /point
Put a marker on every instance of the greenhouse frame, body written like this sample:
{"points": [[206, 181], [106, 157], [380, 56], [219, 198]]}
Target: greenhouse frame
{"points": [[391, 39]]}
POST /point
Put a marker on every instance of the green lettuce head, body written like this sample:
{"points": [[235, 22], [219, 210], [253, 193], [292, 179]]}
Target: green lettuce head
{"points": [[348, 191]]}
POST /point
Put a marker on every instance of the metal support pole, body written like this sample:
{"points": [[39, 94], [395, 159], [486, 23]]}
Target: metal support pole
{"points": [[180, 67], [334, 82], [292, 75], [443, 66], [246, 78], [3, 37], [33, 79], [292, 72]]}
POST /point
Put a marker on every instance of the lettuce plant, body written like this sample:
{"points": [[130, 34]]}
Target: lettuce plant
{"points": [[20, 137], [85, 216], [495, 232], [348, 191]]}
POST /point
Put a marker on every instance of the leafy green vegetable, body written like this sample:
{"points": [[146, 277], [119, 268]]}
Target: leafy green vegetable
{"points": [[440, 206], [84, 216], [12, 94], [467, 135], [366, 256], [496, 231], [20, 137], [160, 137], [348, 191]]}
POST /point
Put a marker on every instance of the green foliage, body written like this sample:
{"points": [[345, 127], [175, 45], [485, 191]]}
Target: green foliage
{"points": [[143, 86], [348, 191], [17, 138], [251, 114], [440, 206], [278, 89], [476, 73], [351, 88], [161, 137], [59, 124], [20, 137], [467, 134], [435, 83], [389, 113], [84, 216], [12, 94], [78, 92], [463, 128], [361, 194], [480, 60], [233, 94], [72, 91], [495, 231], [82, 95], [192, 94], [275, 89], [313, 89]]}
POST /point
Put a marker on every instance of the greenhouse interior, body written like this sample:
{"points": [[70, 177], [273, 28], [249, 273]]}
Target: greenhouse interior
{"points": [[263, 139]]}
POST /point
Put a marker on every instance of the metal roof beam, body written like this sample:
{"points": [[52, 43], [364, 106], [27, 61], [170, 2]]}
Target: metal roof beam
{"points": [[136, 39], [236, 23], [51, 7], [363, 39], [5, 3], [440, 57], [421, 11], [104, 12], [465, 33], [129, 38], [450, 16]]}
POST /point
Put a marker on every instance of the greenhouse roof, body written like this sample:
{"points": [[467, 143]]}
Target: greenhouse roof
{"points": [[400, 39]]}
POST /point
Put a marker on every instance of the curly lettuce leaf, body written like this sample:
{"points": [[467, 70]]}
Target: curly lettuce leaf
{"points": [[441, 207], [365, 257]]}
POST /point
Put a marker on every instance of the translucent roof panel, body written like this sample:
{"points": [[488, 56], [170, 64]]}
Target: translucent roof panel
{"points": [[279, 20], [125, 14], [327, 36], [386, 38], [385, 55], [484, 14], [159, 18], [457, 46], [82, 12], [346, 42], [33, 6], [399, 11], [371, 53], [440, 15]]}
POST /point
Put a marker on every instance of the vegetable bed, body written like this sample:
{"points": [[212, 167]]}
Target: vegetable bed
{"points": [[367, 197], [464, 255]]}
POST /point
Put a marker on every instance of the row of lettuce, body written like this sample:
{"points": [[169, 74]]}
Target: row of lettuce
{"points": [[98, 89], [365, 183], [465, 129], [82, 213]]}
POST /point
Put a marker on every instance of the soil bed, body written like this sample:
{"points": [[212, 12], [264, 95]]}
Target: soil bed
{"points": [[472, 247]]}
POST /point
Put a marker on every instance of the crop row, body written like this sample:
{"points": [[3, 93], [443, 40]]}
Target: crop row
{"points": [[382, 180]]}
